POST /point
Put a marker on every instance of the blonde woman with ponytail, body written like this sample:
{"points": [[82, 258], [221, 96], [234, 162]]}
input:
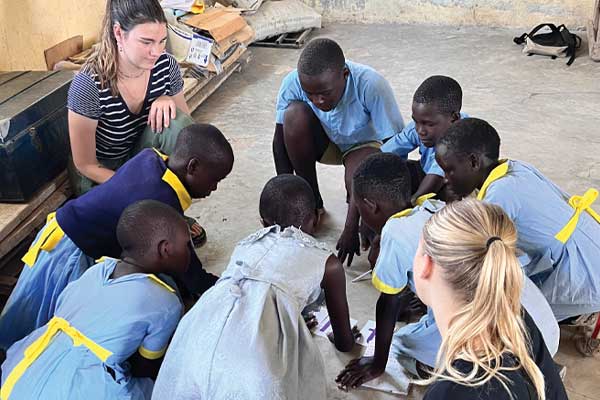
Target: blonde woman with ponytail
{"points": [[129, 95], [466, 270]]}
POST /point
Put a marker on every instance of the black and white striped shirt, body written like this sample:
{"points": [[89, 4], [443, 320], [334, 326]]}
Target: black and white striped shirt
{"points": [[118, 128]]}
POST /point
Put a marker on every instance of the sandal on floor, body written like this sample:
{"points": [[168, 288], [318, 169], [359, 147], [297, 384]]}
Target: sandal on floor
{"points": [[198, 240]]}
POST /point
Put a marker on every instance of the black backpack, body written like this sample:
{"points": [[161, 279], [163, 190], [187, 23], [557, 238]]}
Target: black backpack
{"points": [[558, 42]]}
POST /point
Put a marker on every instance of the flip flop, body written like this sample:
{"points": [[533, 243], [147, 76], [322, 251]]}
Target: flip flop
{"points": [[198, 240]]}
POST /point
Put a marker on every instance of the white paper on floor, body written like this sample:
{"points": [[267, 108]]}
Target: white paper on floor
{"points": [[324, 326], [394, 380]]}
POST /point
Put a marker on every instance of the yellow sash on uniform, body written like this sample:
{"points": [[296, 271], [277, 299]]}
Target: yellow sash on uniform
{"points": [[35, 349], [579, 203], [47, 241]]}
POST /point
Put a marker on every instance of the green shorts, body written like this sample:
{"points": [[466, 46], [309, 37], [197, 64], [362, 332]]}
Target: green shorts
{"points": [[165, 142], [334, 156]]}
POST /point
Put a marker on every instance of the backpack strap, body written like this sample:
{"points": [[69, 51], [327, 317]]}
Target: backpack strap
{"points": [[573, 42], [521, 39]]}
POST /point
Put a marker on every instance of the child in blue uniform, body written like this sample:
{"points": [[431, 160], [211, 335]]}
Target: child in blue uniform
{"points": [[332, 111], [559, 233], [84, 229], [111, 327], [381, 190], [436, 105]]}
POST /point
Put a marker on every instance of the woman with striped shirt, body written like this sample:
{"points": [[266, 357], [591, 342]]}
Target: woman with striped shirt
{"points": [[129, 95]]}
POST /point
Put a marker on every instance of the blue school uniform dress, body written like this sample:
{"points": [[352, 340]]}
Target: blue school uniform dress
{"points": [[393, 272], [366, 112], [99, 323], [83, 230], [407, 140], [560, 234]]}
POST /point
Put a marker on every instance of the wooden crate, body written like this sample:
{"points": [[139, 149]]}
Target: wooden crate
{"points": [[593, 33]]}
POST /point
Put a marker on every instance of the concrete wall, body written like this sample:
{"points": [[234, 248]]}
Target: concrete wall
{"points": [[503, 13], [28, 27]]}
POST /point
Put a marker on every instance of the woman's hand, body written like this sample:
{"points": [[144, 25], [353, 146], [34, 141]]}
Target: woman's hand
{"points": [[162, 111]]}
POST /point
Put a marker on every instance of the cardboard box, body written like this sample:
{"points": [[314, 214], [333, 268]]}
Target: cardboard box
{"points": [[218, 24]]}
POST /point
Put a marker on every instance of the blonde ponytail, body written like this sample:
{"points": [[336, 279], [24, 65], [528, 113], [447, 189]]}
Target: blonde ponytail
{"points": [[474, 244], [127, 13]]}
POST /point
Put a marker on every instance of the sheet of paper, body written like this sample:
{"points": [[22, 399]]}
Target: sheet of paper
{"points": [[200, 49], [367, 334], [324, 326], [393, 381]]}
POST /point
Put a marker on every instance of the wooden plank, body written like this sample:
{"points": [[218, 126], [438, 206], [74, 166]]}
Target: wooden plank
{"points": [[11, 215], [37, 218], [63, 51], [7, 76], [21, 83]]}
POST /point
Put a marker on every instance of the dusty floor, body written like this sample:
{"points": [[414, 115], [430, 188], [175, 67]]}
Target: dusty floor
{"points": [[546, 113]]}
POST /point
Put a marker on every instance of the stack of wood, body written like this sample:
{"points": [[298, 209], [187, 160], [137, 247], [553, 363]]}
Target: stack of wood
{"points": [[19, 222]]}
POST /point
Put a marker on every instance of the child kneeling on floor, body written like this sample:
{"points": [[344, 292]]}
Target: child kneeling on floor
{"points": [[246, 337], [112, 325]]}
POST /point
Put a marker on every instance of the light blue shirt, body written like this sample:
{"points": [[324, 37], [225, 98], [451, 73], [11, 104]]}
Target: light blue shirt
{"points": [[399, 243], [135, 312], [567, 274], [408, 140], [366, 112]]}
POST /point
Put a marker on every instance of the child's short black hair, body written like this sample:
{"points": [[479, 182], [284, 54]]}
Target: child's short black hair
{"points": [[383, 177], [204, 142], [472, 136], [287, 200], [321, 55], [144, 224], [442, 91]]}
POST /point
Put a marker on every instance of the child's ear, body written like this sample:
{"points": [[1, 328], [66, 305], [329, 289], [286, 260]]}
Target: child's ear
{"points": [[193, 166], [164, 249], [455, 116], [346, 72], [373, 207], [474, 161]]}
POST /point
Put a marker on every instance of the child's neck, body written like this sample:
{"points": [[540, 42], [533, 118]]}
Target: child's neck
{"points": [[392, 209], [388, 210], [178, 170], [487, 171], [128, 265]]}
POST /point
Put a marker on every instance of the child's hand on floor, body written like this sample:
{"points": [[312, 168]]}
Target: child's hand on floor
{"points": [[357, 372]]}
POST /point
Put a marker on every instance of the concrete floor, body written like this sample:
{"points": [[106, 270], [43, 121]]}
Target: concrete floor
{"points": [[546, 113]]}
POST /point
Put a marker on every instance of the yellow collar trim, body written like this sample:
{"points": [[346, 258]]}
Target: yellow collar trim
{"points": [[157, 280], [497, 173], [185, 200], [423, 198], [420, 200]]}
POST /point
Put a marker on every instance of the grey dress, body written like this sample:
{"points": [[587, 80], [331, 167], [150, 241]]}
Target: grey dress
{"points": [[246, 338]]}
